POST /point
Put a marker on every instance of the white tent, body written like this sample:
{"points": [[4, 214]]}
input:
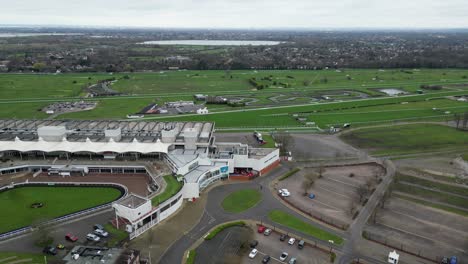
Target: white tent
{"points": [[87, 146]]}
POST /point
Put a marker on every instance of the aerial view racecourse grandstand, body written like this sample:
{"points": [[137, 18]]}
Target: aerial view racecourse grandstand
{"points": [[133, 156]]}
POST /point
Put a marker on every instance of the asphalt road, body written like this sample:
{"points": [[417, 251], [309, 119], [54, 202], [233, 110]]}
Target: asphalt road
{"points": [[215, 215]]}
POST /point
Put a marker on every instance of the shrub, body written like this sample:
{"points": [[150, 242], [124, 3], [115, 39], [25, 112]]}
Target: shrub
{"points": [[191, 256], [332, 257], [220, 228], [351, 175], [289, 174]]}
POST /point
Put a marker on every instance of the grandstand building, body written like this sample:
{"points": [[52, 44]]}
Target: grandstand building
{"points": [[188, 148]]}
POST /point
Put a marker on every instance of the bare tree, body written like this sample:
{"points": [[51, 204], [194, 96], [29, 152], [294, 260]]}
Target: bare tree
{"points": [[352, 206], [457, 118], [285, 141], [308, 182], [321, 170], [362, 192]]}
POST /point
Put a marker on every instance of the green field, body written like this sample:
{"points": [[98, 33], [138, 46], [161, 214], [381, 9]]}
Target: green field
{"points": [[21, 95], [242, 200], [412, 138], [433, 184], [173, 186], [21, 257], [15, 204], [290, 221]]}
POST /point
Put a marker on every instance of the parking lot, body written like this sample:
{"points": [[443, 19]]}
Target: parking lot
{"points": [[272, 245], [335, 192], [80, 228]]}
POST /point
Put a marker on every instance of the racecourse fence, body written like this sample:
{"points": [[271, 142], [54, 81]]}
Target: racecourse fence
{"points": [[123, 189], [396, 244]]}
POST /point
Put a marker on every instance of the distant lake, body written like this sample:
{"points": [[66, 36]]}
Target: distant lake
{"points": [[213, 42], [14, 35]]}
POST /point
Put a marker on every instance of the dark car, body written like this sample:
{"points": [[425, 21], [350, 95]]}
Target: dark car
{"points": [[266, 259], [98, 226], [71, 237], [50, 250], [283, 237], [253, 244]]}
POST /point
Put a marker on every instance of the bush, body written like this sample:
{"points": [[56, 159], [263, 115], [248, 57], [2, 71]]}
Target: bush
{"points": [[355, 214], [332, 257], [220, 228], [351, 175], [191, 256], [289, 174]]}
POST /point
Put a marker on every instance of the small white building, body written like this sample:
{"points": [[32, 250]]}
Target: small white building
{"points": [[202, 111], [393, 257]]}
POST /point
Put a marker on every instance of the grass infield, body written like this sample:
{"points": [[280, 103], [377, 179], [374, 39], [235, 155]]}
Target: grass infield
{"points": [[15, 204]]}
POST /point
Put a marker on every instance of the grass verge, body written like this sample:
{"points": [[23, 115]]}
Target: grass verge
{"points": [[289, 174], [191, 257], [23, 257], [432, 195], [173, 186], [433, 205], [290, 221], [432, 184], [242, 200], [401, 139], [116, 235], [220, 228]]}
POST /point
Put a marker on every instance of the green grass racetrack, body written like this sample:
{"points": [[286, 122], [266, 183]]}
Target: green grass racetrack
{"points": [[15, 204]]}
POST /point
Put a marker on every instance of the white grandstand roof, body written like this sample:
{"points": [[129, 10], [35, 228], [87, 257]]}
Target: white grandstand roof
{"points": [[87, 146]]}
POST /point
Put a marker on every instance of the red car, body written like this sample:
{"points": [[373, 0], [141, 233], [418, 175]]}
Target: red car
{"points": [[261, 229], [71, 237]]}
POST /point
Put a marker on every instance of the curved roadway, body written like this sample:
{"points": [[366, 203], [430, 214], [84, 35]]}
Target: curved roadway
{"points": [[214, 215]]}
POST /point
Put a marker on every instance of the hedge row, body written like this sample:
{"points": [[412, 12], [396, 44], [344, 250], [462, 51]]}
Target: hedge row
{"points": [[220, 228], [289, 174]]}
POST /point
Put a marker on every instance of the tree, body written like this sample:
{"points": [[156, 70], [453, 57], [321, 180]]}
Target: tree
{"points": [[308, 182], [457, 119], [285, 141], [362, 192], [321, 170], [352, 206]]}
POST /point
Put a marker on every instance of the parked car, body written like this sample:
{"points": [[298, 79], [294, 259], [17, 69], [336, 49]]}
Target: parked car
{"points": [[253, 253], [283, 256], [60, 246], [292, 261], [266, 258], [301, 244], [101, 233], [267, 232], [311, 196], [291, 241], [283, 237], [453, 260], [98, 226], [92, 237], [50, 250], [284, 192], [261, 229], [445, 260], [253, 244], [70, 237]]}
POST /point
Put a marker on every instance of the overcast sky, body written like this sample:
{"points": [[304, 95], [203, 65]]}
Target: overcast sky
{"points": [[239, 13]]}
